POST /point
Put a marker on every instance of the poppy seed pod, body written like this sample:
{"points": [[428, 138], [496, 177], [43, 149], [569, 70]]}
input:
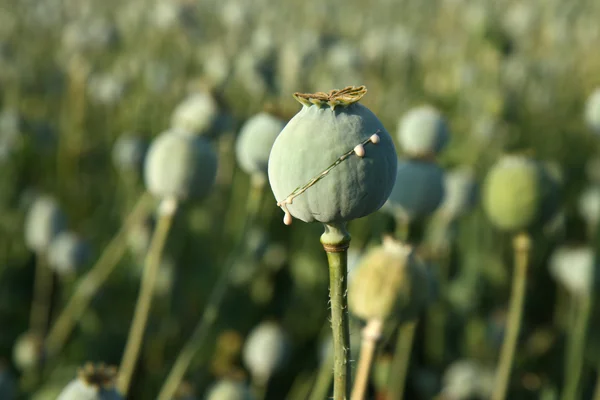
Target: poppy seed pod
{"points": [[255, 141], [67, 253], [422, 131], [460, 193], [181, 166], [386, 282], [334, 161], [227, 389], [128, 153], [519, 193], [92, 383], [592, 111], [27, 351], [573, 267], [265, 350], [43, 222], [418, 191], [198, 113]]}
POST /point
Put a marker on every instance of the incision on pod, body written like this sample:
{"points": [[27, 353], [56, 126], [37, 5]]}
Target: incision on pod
{"points": [[359, 150]]}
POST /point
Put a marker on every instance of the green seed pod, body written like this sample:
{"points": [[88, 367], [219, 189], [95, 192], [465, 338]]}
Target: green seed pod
{"points": [[388, 283], [43, 222], [128, 153], [519, 193], [255, 141], [422, 132], [460, 193], [265, 350], [27, 351], [228, 389], [181, 166], [592, 111], [418, 191], [574, 268], [93, 383], [198, 114], [67, 253], [334, 161]]}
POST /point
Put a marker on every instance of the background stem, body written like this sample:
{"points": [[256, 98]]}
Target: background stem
{"points": [[168, 207], [336, 241], [575, 355], [401, 360], [202, 329], [370, 336], [522, 246], [42, 296]]}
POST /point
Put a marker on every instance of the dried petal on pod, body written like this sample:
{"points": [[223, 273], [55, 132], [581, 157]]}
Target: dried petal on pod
{"points": [[198, 113], [67, 253], [460, 193], [388, 283], [128, 153], [94, 382], [423, 131], [265, 350], [573, 267], [27, 351], [180, 165], [418, 191], [519, 193], [314, 171], [44, 221], [592, 111], [255, 141], [228, 389]]}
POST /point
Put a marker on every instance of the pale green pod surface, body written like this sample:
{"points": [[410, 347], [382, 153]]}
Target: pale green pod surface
{"points": [[265, 350], [92, 383], [198, 113], [423, 131], [67, 253], [255, 141], [334, 161], [27, 351], [43, 222], [592, 111], [519, 193], [419, 189], [227, 389], [181, 166], [460, 192]]}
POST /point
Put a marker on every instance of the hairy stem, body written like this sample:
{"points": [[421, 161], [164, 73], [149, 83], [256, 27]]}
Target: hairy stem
{"points": [[522, 246], [168, 207], [370, 335], [401, 360], [93, 280], [211, 311]]}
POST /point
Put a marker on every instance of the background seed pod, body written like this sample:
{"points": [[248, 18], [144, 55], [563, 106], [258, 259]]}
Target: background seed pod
{"points": [[592, 111], [128, 153], [44, 221], [460, 193], [574, 267], [466, 379], [418, 191], [589, 205], [68, 253], [181, 166], [27, 351], [255, 141], [93, 383], [265, 350], [519, 193], [422, 131], [227, 389], [196, 114], [311, 142]]}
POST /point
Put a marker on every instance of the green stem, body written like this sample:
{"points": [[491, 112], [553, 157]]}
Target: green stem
{"points": [[42, 296], [168, 207], [401, 360], [323, 382], [93, 280], [522, 246], [576, 350], [402, 228], [597, 389], [209, 316], [336, 241]]}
